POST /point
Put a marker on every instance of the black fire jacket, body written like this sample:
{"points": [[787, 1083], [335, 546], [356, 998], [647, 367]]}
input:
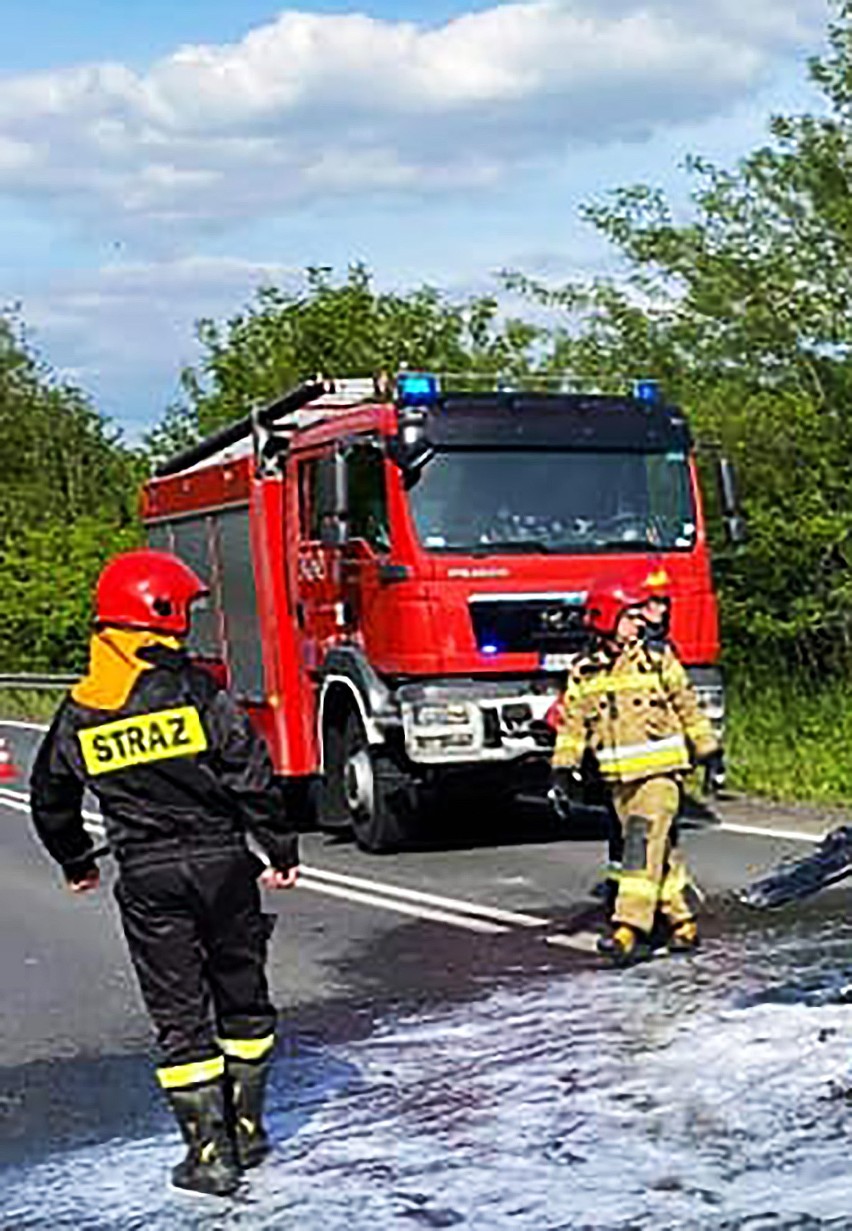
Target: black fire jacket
{"points": [[177, 770]]}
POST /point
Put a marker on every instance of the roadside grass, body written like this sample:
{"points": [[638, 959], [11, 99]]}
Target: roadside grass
{"points": [[790, 739], [28, 704]]}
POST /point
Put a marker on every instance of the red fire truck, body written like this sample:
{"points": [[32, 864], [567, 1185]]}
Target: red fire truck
{"points": [[398, 576]]}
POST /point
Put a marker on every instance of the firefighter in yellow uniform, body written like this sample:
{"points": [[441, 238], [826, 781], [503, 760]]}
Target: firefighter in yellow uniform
{"points": [[630, 704]]}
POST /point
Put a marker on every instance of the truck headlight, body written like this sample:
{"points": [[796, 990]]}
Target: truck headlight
{"points": [[435, 728]]}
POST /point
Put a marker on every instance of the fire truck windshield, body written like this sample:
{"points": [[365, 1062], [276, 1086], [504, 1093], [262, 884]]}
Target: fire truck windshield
{"points": [[569, 501]]}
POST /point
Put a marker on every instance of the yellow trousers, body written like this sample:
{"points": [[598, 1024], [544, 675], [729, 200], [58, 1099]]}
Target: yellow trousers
{"points": [[653, 876]]}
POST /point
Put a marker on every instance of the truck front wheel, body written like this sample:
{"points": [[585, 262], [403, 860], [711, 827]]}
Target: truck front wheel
{"points": [[365, 787]]}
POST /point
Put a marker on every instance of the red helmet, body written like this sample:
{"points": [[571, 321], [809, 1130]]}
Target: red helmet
{"points": [[608, 600], [149, 590]]}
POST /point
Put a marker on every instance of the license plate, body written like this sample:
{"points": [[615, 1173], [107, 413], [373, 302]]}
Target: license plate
{"points": [[557, 662]]}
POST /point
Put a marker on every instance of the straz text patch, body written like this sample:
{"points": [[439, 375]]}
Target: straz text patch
{"points": [[144, 738]]}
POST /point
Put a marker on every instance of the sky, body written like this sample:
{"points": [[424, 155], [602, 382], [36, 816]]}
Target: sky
{"points": [[160, 160]]}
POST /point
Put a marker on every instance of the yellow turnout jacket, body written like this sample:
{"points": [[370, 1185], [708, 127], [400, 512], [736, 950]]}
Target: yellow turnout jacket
{"points": [[635, 710]]}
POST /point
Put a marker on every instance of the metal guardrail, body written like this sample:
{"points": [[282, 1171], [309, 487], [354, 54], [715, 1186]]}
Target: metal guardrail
{"points": [[32, 680]]}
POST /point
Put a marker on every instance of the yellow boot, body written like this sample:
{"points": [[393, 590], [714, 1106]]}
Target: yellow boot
{"points": [[623, 946], [684, 936]]}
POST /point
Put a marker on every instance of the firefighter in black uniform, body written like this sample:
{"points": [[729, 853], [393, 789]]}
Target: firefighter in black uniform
{"points": [[181, 778]]}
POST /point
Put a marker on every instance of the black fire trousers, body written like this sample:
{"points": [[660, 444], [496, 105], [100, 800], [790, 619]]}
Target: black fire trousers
{"points": [[197, 939]]}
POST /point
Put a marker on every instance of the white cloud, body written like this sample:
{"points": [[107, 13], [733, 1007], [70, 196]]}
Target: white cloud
{"points": [[122, 332], [312, 105]]}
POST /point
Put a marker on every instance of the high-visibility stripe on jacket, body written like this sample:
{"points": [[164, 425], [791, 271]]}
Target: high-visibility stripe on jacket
{"points": [[636, 711]]}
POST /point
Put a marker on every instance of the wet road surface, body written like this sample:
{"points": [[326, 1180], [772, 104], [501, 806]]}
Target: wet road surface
{"points": [[436, 1074]]}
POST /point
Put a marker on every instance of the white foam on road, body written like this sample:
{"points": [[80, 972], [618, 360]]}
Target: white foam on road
{"points": [[680, 1096]]}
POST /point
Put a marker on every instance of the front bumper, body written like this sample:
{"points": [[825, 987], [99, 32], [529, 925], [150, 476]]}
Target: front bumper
{"points": [[476, 721]]}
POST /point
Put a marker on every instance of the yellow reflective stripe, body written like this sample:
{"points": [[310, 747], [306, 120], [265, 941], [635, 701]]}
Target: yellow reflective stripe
{"points": [[142, 739], [247, 1049], [643, 765], [622, 752], [629, 681], [193, 1074], [661, 754]]}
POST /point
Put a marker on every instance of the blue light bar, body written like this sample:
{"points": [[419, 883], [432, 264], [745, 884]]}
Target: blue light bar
{"points": [[417, 389], [491, 649], [646, 390]]}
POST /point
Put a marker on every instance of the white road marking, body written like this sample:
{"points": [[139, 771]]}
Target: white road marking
{"points": [[387, 897], [402, 908], [756, 831], [20, 802], [582, 942], [454, 912], [431, 899], [762, 831]]}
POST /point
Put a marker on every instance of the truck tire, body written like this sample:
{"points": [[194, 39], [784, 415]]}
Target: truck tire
{"points": [[365, 787]]}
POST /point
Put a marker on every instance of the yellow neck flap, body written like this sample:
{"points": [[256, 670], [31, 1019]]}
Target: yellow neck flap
{"points": [[114, 667]]}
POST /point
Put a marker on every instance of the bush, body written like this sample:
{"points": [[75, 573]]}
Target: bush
{"points": [[790, 738]]}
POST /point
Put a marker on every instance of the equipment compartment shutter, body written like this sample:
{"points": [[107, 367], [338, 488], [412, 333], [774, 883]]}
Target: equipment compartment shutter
{"points": [[159, 536], [191, 542], [239, 602]]}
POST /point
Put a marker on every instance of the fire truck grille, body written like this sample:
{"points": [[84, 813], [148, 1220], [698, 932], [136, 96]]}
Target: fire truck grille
{"points": [[521, 624]]}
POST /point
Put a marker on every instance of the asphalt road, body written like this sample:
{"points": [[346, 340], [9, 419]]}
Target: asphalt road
{"points": [[363, 941], [360, 929]]}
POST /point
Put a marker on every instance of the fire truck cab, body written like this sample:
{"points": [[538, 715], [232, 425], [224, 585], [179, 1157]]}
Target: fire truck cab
{"points": [[398, 577]]}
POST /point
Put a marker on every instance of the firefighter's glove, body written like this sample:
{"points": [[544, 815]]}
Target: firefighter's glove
{"points": [[714, 772]]}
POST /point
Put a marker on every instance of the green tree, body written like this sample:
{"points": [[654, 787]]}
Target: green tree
{"points": [[744, 310], [67, 502], [48, 570], [337, 328]]}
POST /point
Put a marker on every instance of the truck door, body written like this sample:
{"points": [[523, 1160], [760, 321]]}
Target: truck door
{"points": [[319, 608], [368, 533]]}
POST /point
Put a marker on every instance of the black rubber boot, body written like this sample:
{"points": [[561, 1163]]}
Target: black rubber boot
{"points": [[247, 1080], [210, 1165]]}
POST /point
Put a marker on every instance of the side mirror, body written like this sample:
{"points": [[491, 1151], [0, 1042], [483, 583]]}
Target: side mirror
{"points": [[735, 527], [411, 458]]}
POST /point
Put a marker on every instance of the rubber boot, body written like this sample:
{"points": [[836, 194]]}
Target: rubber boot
{"points": [[623, 945], [684, 936], [247, 1080], [606, 890], [210, 1165]]}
